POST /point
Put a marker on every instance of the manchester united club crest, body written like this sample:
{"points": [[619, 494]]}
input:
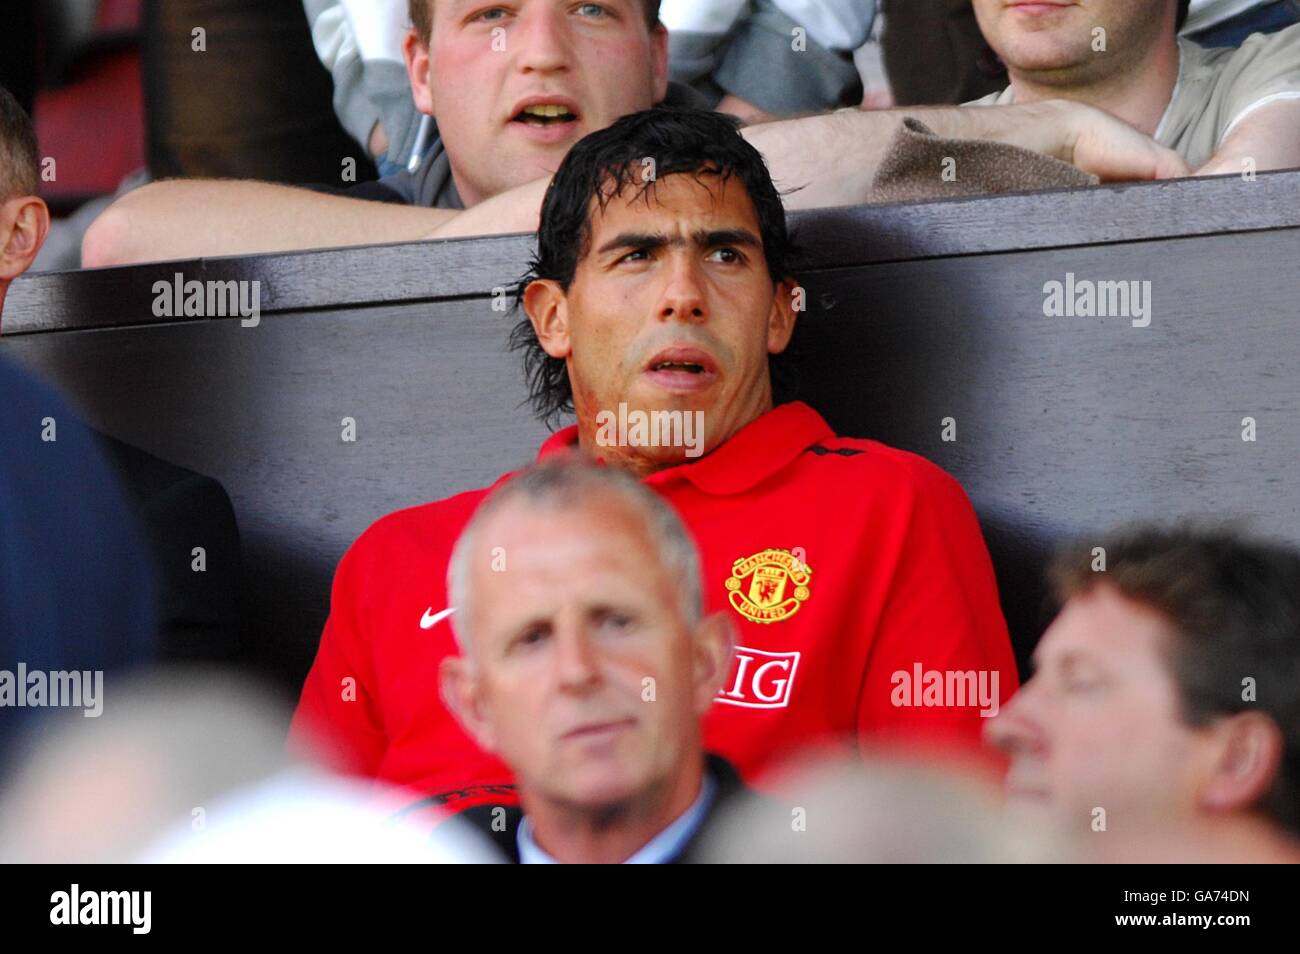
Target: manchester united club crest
{"points": [[769, 586]]}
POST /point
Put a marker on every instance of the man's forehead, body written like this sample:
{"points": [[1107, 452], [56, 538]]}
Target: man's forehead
{"points": [[722, 201], [1101, 622]]}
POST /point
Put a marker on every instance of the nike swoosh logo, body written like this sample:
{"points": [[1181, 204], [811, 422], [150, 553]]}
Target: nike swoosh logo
{"points": [[431, 619]]}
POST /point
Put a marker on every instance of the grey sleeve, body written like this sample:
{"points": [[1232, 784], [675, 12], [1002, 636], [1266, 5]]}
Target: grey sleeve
{"points": [[761, 66], [336, 47], [365, 92]]}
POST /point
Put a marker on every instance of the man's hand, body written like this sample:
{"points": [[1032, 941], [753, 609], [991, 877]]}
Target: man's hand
{"points": [[1111, 149]]}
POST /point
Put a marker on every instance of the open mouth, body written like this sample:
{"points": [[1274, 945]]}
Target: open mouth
{"points": [[682, 369], [688, 366], [544, 114]]}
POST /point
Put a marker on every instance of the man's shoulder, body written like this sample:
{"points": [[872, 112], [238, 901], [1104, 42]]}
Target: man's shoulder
{"points": [[416, 528], [1272, 52], [864, 463]]}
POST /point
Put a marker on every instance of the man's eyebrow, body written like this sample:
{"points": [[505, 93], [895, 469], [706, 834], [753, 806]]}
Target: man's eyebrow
{"points": [[716, 237], [634, 240], [704, 238]]}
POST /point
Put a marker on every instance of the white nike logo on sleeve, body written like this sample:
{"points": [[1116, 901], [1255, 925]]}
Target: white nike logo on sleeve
{"points": [[431, 619]]}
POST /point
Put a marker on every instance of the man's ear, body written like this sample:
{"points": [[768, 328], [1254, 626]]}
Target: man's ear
{"points": [[415, 52], [659, 61], [714, 642], [24, 224], [781, 319], [462, 692], [547, 308], [1246, 764]]}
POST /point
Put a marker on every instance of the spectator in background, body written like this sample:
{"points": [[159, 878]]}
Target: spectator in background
{"points": [[1224, 111], [934, 52], [507, 117], [199, 612], [76, 587], [1163, 719], [1229, 22], [739, 54]]}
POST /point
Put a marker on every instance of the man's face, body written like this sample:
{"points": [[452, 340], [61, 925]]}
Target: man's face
{"points": [[671, 309], [1098, 725], [1054, 41], [589, 682], [488, 63]]}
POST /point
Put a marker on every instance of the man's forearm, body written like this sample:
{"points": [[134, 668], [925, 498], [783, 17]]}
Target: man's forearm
{"points": [[515, 210], [192, 218], [832, 159], [1268, 138]]}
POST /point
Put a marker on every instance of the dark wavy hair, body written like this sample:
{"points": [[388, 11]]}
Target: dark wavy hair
{"points": [[695, 142], [1234, 605], [19, 154]]}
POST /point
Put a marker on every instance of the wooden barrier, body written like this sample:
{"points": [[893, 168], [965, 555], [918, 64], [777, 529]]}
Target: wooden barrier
{"points": [[924, 321]]}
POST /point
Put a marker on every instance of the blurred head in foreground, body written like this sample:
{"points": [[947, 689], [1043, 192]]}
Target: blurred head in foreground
{"points": [[192, 769], [878, 811], [586, 662], [1165, 706]]}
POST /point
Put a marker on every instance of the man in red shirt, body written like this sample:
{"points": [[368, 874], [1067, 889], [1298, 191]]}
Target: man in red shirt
{"points": [[864, 600]]}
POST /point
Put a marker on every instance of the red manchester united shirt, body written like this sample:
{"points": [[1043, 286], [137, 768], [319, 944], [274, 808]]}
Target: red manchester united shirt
{"points": [[862, 594]]}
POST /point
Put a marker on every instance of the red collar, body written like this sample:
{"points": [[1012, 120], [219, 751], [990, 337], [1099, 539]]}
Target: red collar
{"points": [[757, 451]]}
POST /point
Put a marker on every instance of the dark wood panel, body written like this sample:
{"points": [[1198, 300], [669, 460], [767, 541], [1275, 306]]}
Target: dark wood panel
{"points": [[432, 391], [830, 238], [1064, 425]]}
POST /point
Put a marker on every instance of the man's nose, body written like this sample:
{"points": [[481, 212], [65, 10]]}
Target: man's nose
{"points": [[683, 296], [576, 665], [1016, 729], [540, 40]]}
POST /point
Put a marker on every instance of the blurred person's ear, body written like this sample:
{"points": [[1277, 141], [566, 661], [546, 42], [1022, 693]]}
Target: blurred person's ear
{"points": [[713, 644], [1245, 759], [24, 223], [547, 308], [462, 692], [415, 52]]}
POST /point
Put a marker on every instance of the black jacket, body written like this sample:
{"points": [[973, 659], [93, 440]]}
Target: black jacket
{"points": [[728, 791], [198, 612]]}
